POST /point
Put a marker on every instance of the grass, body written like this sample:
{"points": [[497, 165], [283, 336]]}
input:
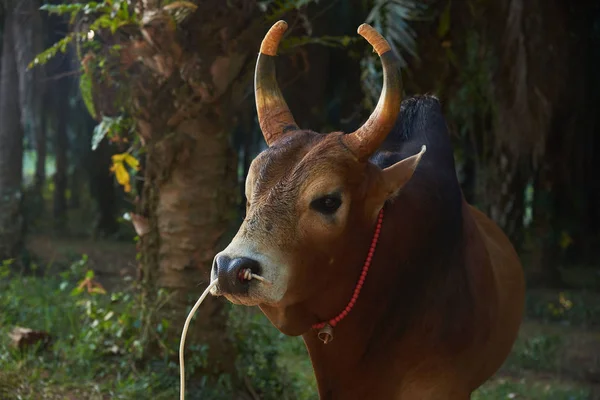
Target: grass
{"points": [[96, 345], [97, 349], [530, 388]]}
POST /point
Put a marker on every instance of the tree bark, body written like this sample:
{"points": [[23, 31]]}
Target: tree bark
{"points": [[60, 152], [11, 149], [189, 195], [41, 151], [19, 104]]}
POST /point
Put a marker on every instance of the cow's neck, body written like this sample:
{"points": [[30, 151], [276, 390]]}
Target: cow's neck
{"points": [[409, 298]]}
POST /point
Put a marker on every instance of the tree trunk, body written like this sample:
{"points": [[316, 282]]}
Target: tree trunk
{"points": [[501, 183], [19, 103], [40, 162], [11, 149], [189, 195], [80, 152], [60, 151]]}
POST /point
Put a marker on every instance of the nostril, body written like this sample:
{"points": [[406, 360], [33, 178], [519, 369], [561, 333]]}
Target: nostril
{"points": [[238, 268], [245, 267], [248, 264], [232, 272]]}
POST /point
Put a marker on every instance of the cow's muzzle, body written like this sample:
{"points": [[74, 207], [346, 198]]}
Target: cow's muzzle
{"points": [[232, 273]]}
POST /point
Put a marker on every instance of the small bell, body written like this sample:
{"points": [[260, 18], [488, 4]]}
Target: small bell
{"points": [[326, 334]]}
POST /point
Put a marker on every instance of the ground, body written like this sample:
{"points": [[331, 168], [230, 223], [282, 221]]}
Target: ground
{"points": [[557, 355]]}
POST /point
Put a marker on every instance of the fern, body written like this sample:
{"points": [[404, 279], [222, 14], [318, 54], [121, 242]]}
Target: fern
{"points": [[85, 87], [392, 18], [60, 46], [112, 15]]}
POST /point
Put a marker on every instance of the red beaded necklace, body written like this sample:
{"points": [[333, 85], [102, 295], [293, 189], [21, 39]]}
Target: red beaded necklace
{"points": [[326, 328]]}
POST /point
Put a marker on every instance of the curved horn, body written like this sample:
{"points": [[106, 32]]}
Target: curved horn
{"points": [[274, 116], [364, 141]]}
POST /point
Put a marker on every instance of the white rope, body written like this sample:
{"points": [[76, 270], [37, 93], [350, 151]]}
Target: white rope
{"points": [[247, 275], [183, 335]]}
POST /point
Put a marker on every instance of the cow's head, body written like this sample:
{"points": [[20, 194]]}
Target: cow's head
{"points": [[310, 197]]}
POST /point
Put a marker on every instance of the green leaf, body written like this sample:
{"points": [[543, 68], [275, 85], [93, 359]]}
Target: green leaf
{"points": [[89, 274], [444, 24], [76, 291], [85, 87], [61, 9], [47, 54]]}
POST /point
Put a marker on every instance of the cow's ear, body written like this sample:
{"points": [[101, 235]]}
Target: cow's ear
{"points": [[397, 175]]}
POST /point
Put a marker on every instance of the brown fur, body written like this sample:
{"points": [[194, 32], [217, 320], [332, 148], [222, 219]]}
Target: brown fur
{"points": [[443, 300]]}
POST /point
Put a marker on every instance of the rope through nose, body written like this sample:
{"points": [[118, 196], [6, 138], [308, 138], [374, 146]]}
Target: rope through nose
{"points": [[184, 334], [247, 275]]}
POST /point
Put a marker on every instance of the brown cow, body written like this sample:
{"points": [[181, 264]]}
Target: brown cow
{"points": [[367, 235]]}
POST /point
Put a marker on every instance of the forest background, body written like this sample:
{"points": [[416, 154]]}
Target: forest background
{"points": [[126, 132]]}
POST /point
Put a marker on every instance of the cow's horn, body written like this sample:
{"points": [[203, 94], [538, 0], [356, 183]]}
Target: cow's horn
{"points": [[369, 137], [274, 116]]}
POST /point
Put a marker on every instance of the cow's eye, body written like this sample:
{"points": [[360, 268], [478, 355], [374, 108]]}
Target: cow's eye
{"points": [[327, 204]]}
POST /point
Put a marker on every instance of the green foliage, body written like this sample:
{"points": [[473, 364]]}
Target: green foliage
{"points": [[530, 388], [58, 47], [98, 348], [280, 7], [392, 19], [263, 351], [444, 24], [85, 87], [73, 9], [577, 308], [98, 342], [537, 353], [109, 14]]}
